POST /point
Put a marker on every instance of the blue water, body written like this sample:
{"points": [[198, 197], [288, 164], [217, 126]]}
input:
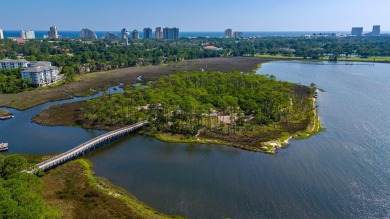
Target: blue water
{"points": [[27, 137], [342, 172], [101, 34]]}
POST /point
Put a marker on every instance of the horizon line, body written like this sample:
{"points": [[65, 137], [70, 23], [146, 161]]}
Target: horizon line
{"points": [[203, 30]]}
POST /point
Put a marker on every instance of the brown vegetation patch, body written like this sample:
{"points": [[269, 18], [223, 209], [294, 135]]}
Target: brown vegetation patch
{"points": [[67, 188], [70, 114], [101, 80], [4, 113]]}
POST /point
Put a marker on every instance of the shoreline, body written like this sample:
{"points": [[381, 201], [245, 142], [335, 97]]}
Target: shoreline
{"points": [[341, 59], [70, 115], [4, 114], [63, 181], [269, 147], [313, 128], [119, 193]]}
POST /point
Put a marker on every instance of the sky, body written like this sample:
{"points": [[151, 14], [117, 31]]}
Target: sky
{"points": [[196, 15]]}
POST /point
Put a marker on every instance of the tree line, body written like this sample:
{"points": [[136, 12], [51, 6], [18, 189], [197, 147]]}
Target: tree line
{"points": [[11, 81], [75, 57], [19, 191]]}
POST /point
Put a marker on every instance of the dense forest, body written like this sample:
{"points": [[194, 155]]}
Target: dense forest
{"points": [[11, 81], [19, 197], [74, 56], [255, 108]]}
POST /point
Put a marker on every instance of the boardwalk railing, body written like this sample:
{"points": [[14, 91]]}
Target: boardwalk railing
{"points": [[89, 146]]}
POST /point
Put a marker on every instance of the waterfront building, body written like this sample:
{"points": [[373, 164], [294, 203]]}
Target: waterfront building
{"points": [[53, 33], [237, 34], [27, 34], [229, 33], [357, 31], [1, 34], [135, 34], [159, 33], [148, 33], [87, 33], [171, 33], [111, 36], [41, 73], [13, 63]]}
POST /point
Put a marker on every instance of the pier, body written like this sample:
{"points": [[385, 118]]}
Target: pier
{"points": [[89, 146]]}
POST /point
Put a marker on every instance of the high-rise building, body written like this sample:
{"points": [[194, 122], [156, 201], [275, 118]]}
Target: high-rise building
{"points": [[148, 33], [1, 34], [237, 34], [135, 34], [27, 34], [53, 33], [159, 33], [229, 33], [357, 31], [376, 30], [124, 34], [88, 34], [171, 33], [111, 36]]}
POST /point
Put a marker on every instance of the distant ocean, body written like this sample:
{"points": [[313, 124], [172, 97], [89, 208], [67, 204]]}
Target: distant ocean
{"points": [[100, 34]]}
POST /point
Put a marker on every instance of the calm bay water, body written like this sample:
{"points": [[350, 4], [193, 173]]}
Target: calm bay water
{"points": [[343, 172], [27, 137]]}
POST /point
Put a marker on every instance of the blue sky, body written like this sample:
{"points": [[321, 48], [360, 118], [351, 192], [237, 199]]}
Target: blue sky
{"points": [[196, 15]]}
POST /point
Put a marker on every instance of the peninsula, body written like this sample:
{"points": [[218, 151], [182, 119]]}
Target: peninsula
{"points": [[5, 115], [245, 110]]}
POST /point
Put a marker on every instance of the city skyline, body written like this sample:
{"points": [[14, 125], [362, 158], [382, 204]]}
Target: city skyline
{"points": [[250, 15]]}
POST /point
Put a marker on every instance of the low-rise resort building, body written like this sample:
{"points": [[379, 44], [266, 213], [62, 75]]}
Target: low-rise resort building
{"points": [[38, 73], [41, 74], [13, 63]]}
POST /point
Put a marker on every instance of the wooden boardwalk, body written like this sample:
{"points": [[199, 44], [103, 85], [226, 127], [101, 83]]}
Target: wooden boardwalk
{"points": [[89, 146]]}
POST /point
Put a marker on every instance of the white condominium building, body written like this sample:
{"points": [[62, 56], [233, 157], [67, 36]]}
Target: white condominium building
{"points": [[41, 74], [12, 64], [27, 34]]}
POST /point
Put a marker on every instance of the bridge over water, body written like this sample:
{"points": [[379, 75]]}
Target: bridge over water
{"points": [[89, 146]]}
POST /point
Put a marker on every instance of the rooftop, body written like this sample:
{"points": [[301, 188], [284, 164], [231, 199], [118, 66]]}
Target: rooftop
{"points": [[13, 60], [39, 67]]}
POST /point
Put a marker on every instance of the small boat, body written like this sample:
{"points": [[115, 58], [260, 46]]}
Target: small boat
{"points": [[3, 146], [6, 117]]}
